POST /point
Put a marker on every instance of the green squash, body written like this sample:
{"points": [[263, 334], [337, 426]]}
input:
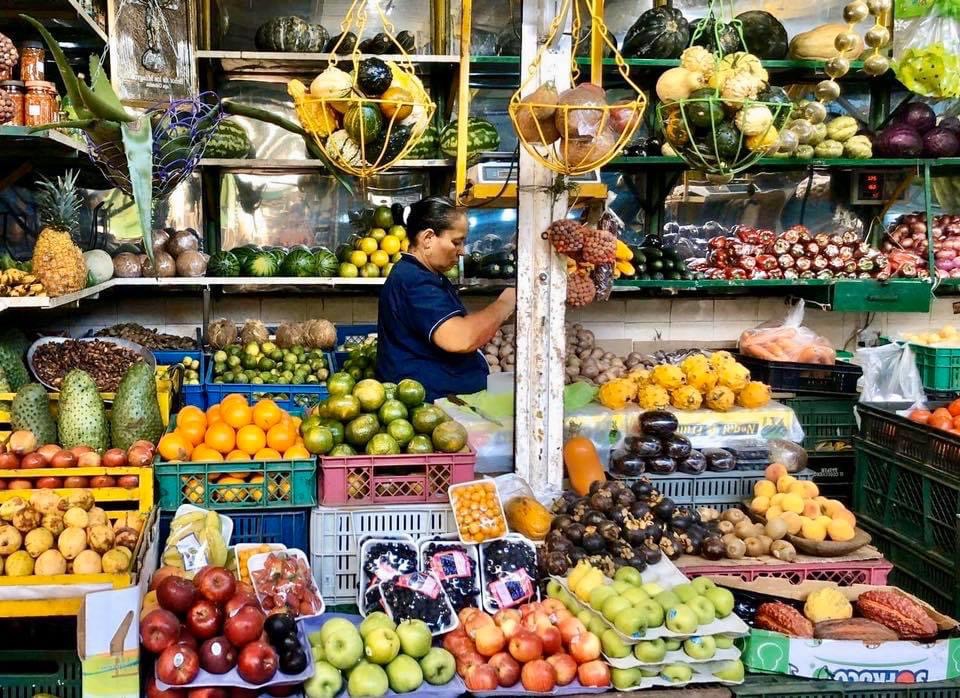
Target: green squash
{"points": [[779, 103], [829, 149], [703, 108], [723, 39], [725, 141], [291, 34], [765, 37], [373, 77], [365, 119], [223, 263], [390, 146], [662, 32]]}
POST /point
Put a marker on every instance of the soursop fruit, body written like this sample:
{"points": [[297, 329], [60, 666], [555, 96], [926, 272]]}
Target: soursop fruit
{"points": [[13, 346], [4, 388], [83, 418], [31, 412], [136, 411]]}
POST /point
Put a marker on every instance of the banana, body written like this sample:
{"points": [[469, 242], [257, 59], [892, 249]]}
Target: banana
{"points": [[213, 522]]}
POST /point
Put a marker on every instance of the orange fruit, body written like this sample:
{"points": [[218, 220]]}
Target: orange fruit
{"points": [[213, 414], [174, 446], [237, 414], [251, 439], [281, 437], [205, 453], [193, 431], [266, 414], [237, 454], [297, 451], [191, 413], [267, 454], [234, 397], [220, 437]]}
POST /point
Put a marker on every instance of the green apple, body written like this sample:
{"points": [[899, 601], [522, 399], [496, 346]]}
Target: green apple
{"points": [[677, 673], [382, 645], [624, 679], [612, 645], [344, 648], [631, 622], [651, 589], [730, 671], [630, 575], [635, 595], [368, 680], [672, 644], [685, 592], [314, 639], [332, 627], [724, 642], [621, 586], [682, 619], [700, 647], [326, 681], [553, 589], [653, 613], [648, 673], [584, 615], [600, 595], [597, 625], [438, 666], [667, 600], [377, 619], [613, 606], [404, 674], [415, 638], [318, 655], [650, 651], [704, 610], [701, 584], [722, 600]]}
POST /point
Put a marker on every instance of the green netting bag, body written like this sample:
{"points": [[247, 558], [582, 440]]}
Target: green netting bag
{"points": [[927, 47]]}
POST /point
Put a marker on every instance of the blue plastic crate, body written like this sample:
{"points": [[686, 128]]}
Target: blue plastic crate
{"points": [[194, 395], [293, 398], [347, 333], [291, 527]]}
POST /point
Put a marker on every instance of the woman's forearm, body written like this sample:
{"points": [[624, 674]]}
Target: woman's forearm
{"points": [[465, 334]]}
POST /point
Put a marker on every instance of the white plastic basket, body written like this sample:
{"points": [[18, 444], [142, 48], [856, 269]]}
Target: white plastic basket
{"points": [[336, 532]]}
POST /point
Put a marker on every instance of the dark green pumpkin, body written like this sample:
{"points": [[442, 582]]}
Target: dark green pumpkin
{"points": [[779, 102], [703, 108], [662, 32], [347, 43], [365, 119], [724, 140], [716, 38], [765, 37], [391, 147], [291, 34], [373, 77]]}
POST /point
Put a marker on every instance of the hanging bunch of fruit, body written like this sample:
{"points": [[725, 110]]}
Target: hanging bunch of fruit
{"points": [[590, 254], [579, 129]]}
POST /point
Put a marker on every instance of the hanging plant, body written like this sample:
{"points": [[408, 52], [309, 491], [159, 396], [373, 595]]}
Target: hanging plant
{"points": [[365, 118], [579, 129]]}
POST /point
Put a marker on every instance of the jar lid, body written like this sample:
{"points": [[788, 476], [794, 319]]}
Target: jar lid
{"points": [[11, 83], [31, 44], [40, 84]]}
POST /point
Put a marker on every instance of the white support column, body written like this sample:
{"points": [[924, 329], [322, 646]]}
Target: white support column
{"points": [[541, 283]]}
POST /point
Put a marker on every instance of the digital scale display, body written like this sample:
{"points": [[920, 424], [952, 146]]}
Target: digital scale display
{"points": [[875, 188]]}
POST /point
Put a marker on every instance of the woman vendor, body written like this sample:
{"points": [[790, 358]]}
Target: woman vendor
{"points": [[424, 331]]}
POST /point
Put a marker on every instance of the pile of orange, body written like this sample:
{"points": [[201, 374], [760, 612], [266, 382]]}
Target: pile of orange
{"points": [[944, 418], [234, 431]]}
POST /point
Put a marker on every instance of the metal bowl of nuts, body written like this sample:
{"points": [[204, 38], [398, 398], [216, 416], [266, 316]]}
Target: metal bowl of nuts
{"points": [[106, 359]]}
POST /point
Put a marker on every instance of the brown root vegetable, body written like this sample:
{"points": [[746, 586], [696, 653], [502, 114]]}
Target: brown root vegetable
{"points": [[191, 264], [126, 265], [546, 94], [183, 241], [163, 265], [254, 331], [624, 116], [584, 152], [534, 130], [579, 120], [220, 333]]}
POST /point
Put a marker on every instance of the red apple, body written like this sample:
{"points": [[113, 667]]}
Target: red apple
{"points": [[551, 639], [595, 674], [510, 627], [217, 655], [154, 692], [257, 663], [204, 619], [176, 594], [244, 626], [187, 639], [537, 621], [244, 693], [481, 677], [528, 608], [158, 630], [570, 628], [551, 606], [490, 640], [200, 574], [507, 613], [525, 647], [585, 647], [286, 690], [164, 572], [75, 482], [217, 585], [508, 671], [539, 676], [128, 481], [49, 483], [565, 666], [103, 481], [209, 693], [239, 600], [178, 665], [475, 622], [456, 642], [468, 660], [466, 613]]}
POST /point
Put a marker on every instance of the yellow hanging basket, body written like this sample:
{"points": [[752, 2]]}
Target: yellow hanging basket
{"points": [[367, 119], [577, 130]]}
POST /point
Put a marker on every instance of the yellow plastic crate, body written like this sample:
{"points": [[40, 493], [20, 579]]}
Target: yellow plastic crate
{"points": [[141, 496]]}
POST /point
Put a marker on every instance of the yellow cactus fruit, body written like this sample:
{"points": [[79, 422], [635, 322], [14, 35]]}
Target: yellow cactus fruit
{"points": [[719, 359], [784, 482], [733, 375], [760, 505], [653, 397], [840, 530], [694, 361], [794, 522], [774, 512], [810, 489], [667, 376], [813, 530], [686, 398], [721, 399], [754, 394], [764, 488], [792, 502], [827, 604], [702, 378], [615, 394], [639, 376]]}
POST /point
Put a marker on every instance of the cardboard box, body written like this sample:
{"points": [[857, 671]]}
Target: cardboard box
{"points": [[846, 660]]}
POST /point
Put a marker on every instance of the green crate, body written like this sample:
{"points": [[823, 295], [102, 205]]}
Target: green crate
{"points": [[24, 673], [794, 687], [828, 423], [939, 366], [284, 483]]}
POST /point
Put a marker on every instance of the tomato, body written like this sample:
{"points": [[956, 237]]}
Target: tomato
{"points": [[941, 422], [954, 408], [941, 413], [920, 416]]}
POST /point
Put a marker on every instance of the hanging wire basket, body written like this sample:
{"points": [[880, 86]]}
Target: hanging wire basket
{"points": [[577, 131], [366, 120], [181, 131]]}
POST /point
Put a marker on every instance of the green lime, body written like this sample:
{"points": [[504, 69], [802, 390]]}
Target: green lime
{"points": [[383, 217], [449, 437], [391, 390], [348, 271], [360, 430], [314, 420], [343, 408], [336, 428], [391, 410], [342, 450], [410, 392], [318, 440], [427, 418], [420, 444], [382, 445], [340, 384], [370, 393], [370, 271], [401, 430]]}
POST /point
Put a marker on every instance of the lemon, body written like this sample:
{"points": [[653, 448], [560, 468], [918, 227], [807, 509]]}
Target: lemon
{"points": [[390, 244], [349, 271], [404, 245], [358, 258], [367, 245], [378, 234], [380, 258], [396, 257]]}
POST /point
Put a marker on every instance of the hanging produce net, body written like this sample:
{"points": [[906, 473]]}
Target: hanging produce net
{"points": [[577, 130], [181, 130], [927, 48], [719, 112], [367, 119]]}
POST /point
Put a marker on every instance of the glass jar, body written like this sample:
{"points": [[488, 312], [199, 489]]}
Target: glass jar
{"points": [[40, 103], [14, 90], [32, 55]]}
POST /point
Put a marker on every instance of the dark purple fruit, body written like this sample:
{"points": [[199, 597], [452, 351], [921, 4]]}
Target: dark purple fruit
{"points": [[574, 533], [594, 518], [564, 502], [651, 553], [557, 563], [719, 460], [681, 519], [577, 555], [624, 498], [560, 522], [640, 510], [642, 488], [602, 501], [658, 423], [610, 531], [664, 509], [627, 464], [644, 445], [653, 531], [595, 487], [671, 545], [676, 446], [712, 548], [661, 465], [693, 464], [593, 542]]}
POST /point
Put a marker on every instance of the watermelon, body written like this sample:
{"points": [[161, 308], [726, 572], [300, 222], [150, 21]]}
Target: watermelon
{"points": [[278, 253], [426, 147], [325, 263], [245, 253], [228, 141], [261, 264], [298, 262], [223, 263], [482, 137]]}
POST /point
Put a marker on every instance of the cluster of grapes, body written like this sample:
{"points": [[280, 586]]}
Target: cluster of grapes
{"points": [[599, 247], [580, 289], [566, 236], [8, 57]]}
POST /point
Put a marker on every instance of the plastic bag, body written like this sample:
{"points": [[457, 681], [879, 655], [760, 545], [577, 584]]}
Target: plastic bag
{"points": [[925, 47], [196, 539], [890, 374], [527, 512], [788, 341]]}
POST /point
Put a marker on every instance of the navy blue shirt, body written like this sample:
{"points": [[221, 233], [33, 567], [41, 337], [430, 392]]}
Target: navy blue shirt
{"points": [[414, 302]]}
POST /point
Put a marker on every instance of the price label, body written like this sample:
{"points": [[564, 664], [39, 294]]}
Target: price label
{"points": [[512, 589], [421, 582], [451, 564], [193, 552]]}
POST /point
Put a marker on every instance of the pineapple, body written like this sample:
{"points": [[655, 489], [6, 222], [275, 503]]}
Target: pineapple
{"points": [[57, 261]]}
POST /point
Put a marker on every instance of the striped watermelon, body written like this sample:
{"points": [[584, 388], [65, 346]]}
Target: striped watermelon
{"points": [[426, 147], [482, 137], [228, 141]]}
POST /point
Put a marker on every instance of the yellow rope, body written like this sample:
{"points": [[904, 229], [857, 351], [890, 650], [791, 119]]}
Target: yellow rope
{"points": [[463, 99]]}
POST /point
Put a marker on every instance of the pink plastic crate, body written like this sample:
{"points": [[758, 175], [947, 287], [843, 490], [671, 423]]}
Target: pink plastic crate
{"points": [[409, 478], [843, 574]]}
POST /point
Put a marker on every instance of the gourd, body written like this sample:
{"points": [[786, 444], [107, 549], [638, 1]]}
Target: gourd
{"points": [[818, 44], [703, 109], [753, 395], [819, 135], [829, 149], [858, 148], [582, 463], [529, 517], [804, 152], [754, 120], [697, 59], [766, 141], [736, 64], [842, 128], [764, 35], [332, 84], [340, 144], [678, 83], [779, 102], [729, 37], [99, 266], [662, 32], [738, 88], [363, 122], [291, 34], [827, 604], [724, 141], [387, 147], [615, 394]]}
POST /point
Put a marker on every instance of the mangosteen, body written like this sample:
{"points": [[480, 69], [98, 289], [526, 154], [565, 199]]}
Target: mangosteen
{"points": [[676, 446], [594, 518], [664, 509], [622, 550], [661, 465], [643, 445], [712, 548], [602, 501], [681, 518], [624, 498], [560, 522], [593, 542], [637, 562], [640, 510], [595, 487], [693, 464], [557, 563], [574, 533], [697, 529], [619, 515], [616, 486], [577, 555], [691, 542], [651, 553], [653, 531], [604, 563], [580, 509], [642, 488], [561, 545], [553, 537], [671, 545], [564, 502], [610, 532], [633, 531], [658, 423]]}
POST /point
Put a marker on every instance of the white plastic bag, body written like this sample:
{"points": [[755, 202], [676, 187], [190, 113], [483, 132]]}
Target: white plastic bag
{"points": [[890, 374]]}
